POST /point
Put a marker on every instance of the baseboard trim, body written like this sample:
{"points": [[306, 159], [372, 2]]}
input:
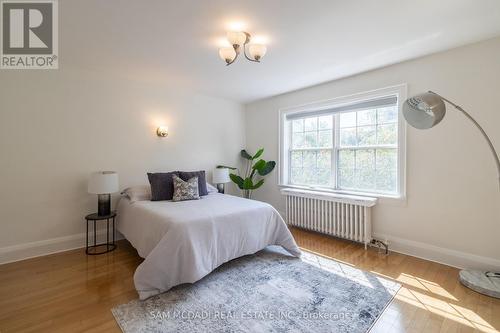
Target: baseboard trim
{"points": [[454, 258], [458, 259], [30, 250], [396, 244]]}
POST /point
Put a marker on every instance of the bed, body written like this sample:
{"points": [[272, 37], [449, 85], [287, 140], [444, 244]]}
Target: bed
{"points": [[184, 241]]}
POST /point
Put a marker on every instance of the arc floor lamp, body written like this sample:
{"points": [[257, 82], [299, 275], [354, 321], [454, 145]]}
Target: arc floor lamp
{"points": [[425, 111]]}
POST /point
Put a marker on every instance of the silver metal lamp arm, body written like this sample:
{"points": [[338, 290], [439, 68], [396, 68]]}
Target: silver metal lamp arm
{"points": [[492, 148], [236, 48]]}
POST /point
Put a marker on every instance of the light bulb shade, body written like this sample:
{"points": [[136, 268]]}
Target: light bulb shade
{"points": [[220, 176], [236, 37], [103, 182], [227, 54], [162, 131], [424, 111], [257, 51]]}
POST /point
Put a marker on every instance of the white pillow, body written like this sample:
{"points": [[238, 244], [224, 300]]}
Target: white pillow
{"points": [[138, 193], [211, 189]]}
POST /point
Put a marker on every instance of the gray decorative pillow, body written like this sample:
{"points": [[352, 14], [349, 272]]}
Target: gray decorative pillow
{"points": [[185, 190], [202, 183], [162, 185]]}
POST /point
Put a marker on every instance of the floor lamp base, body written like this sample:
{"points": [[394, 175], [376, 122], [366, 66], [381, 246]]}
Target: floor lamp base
{"points": [[486, 283]]}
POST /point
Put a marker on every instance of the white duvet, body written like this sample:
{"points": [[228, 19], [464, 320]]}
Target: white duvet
{"points": [[184, 241]]}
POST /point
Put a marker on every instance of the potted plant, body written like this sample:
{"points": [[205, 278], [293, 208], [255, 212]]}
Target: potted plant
{"points": [[255, 170]]}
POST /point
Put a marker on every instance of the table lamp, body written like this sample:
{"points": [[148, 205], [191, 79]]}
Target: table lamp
{"points": [[220, 176], [103, 183]]}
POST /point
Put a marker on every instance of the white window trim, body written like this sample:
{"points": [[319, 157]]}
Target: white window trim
{"points": [[401, 91]]}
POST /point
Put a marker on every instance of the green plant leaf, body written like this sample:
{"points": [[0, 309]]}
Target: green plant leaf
{"points": [[258, 154], [237, 180], [259, 165], [259, 184], [225, 167], [246, 155], [247, 183], [267, 168]]}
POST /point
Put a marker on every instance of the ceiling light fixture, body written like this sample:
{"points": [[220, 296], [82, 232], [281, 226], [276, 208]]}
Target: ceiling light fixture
{"points": [[239, 41]]}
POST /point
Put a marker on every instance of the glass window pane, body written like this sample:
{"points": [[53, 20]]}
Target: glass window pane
{"points": [[346, 159], [348, 137], [311, 139], [367, 117], [346, 178], [387, 134], [310, 176], [387, 180], [387, 159], [324, 160], [296, 160], [387, 115], [298, 125], [325, 138], [297, 176], [311, 124], [366, 179], [347, 119], [365, 159], [298, 140], [309, 159], [325, 122], [324, 177], [367, 136]]}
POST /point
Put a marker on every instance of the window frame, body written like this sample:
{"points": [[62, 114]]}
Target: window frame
{"points": [[285, 134]]}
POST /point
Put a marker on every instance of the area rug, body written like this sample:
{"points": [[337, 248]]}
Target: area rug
{"points": [[266, 292]]}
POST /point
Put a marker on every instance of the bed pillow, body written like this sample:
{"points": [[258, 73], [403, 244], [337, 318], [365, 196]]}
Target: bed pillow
{"points": [[185, 190], [211, 189], [138, 193], [162, 185], [202, 183]]}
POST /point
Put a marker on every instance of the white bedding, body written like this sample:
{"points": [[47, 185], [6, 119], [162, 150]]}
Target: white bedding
{"points": [[184, 241]]}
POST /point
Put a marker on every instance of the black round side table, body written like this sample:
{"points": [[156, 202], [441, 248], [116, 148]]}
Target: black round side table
{"points": [[92, 249]]}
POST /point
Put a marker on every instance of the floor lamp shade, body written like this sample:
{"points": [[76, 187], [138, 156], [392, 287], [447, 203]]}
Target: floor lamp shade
{"points": [[424, 111], [103, 183], [220, 176]]}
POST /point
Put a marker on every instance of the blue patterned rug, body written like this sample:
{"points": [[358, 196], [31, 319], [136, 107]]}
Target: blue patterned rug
{"points": [[266, 292]]}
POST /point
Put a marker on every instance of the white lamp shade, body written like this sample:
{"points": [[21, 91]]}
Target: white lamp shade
{"points": [[236, 37], [227, 54], [220, 176], [257, 51], [103, 182]]}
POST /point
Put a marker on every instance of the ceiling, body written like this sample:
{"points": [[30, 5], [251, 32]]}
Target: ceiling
{"points": [[175, 43]]}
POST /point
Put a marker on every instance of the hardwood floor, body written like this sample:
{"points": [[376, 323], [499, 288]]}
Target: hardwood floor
{"points": [[431, 298], [72, 292]]}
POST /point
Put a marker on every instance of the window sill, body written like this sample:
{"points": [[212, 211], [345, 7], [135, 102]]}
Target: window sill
{"points": [[382, 199]]}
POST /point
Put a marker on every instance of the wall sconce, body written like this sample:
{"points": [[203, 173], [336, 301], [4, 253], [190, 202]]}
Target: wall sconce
{"points": [[239, 41], [162, 131]]}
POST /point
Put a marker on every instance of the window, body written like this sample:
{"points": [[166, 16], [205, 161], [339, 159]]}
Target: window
{"points": [[352, 146], [311, 151]]}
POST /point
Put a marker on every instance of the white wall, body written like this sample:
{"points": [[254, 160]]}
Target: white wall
{"points": [[58, 126], [452, 212]]}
